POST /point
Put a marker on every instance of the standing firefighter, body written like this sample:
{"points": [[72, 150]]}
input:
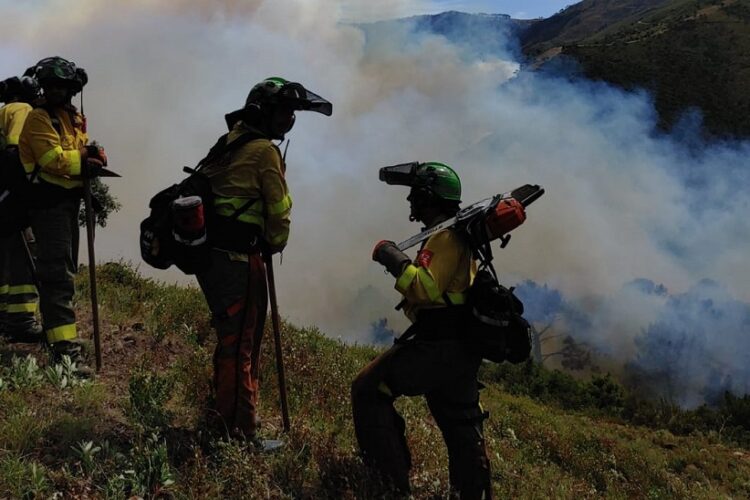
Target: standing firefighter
{"points": [[55, 155], [250, 218], [431, 358], [18, 295]]}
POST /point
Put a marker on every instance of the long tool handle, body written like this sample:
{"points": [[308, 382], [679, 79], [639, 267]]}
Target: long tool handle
{"points": [[92, 269], [277, 341], [30, 262]]}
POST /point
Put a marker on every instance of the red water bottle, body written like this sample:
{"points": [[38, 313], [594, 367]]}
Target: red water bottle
{"points": [[189, 221]]}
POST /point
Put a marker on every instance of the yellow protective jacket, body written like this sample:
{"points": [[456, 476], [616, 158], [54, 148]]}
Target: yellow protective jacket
{"points": [[256, 171], [444, 266], [12, 117], [58, 155]]}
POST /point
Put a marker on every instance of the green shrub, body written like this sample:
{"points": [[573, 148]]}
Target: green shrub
{"points": [[20, 478], [149, 394]]}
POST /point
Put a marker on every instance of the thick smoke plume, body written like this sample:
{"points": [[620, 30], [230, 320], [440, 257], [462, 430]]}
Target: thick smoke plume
{"points": [[623, 202]]}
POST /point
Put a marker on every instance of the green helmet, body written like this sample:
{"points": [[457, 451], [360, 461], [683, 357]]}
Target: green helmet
{"points": [[441, 180], [438, 179], [275, 91], [265, 92], [58, 70]]}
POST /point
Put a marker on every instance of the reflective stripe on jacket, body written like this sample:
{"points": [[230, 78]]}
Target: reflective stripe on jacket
{"points": [[58, 155], [254, 172], [12, 117], [443, 266]]}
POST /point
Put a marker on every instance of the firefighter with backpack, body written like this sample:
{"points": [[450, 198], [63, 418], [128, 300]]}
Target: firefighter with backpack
{"points": [[18, 293], [56, 156], [249, 221], [432, 358]]}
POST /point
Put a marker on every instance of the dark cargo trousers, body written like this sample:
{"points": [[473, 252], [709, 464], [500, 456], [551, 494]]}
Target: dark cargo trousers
{"points": [[237, 295], [445, 371], [18, 295], [56, 233]]}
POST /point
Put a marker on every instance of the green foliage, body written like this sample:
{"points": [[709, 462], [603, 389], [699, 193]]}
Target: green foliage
{"points": [[559, 388], [150, 474], [86, 452], [149, 394], [602, 395], [108, 204], [688, 54], [64, 374], [20, 428], [20, 478], [22, 373]]}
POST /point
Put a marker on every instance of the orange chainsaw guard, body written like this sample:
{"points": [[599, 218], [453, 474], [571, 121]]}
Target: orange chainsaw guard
{"points": [[507, 215]]}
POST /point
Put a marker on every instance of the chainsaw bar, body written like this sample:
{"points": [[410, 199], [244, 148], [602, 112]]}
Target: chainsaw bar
{"points": [[526, 195]]}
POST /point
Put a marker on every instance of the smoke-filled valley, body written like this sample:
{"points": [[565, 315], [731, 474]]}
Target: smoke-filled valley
{"points": [[643, 233]]}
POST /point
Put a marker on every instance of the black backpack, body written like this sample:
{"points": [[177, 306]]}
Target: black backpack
{"points": [[498, 329], [497, 326], [18, 193], [159, 247], [15, 193]]}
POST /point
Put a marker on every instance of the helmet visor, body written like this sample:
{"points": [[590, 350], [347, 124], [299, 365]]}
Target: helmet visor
{"points": [[299, 98], [403, 174]]}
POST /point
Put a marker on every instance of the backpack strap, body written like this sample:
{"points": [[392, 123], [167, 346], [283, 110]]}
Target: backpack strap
{"points": [[221, 147], [244, 207]]}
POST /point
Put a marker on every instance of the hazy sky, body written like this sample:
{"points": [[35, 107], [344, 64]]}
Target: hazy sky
{"points": [[520, 9]]}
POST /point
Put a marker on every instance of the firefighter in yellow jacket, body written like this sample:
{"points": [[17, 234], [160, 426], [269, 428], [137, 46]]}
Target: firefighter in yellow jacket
{"points": [[18, 295], [430, 358], [250, 218], [56, 157]]}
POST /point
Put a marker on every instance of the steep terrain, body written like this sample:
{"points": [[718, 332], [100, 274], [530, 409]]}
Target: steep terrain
{"points": [[583, 20], [691, 54], [139, 429]]}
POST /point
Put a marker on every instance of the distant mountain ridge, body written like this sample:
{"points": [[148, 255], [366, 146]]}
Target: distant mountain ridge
{"points": [[483, 34], [690, 54]]}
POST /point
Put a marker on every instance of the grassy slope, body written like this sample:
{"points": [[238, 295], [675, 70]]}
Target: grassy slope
{"points": [[144, 419], [689, 53], [583, 20]]}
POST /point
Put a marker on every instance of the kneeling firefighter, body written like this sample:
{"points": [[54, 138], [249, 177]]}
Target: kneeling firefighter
{"points": [[431, 358], [56, 155], [250, 221], [18, 293]]}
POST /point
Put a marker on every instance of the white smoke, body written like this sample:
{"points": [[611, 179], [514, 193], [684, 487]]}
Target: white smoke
{"points": [[617, 207]]}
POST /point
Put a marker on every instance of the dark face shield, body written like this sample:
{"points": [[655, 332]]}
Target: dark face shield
{"points": [[403, 174], [292, 96], [299, 98]]}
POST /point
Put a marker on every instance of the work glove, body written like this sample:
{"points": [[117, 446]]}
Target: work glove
{"points": [[91, 168], [96, 152], [387, 253]]}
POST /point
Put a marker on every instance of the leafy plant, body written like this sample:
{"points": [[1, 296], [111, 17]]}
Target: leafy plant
{"points": [[150, 473], [85, 451], [22, 372], [108, 204], [149, 394], [20, 478], [63, 374]]}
